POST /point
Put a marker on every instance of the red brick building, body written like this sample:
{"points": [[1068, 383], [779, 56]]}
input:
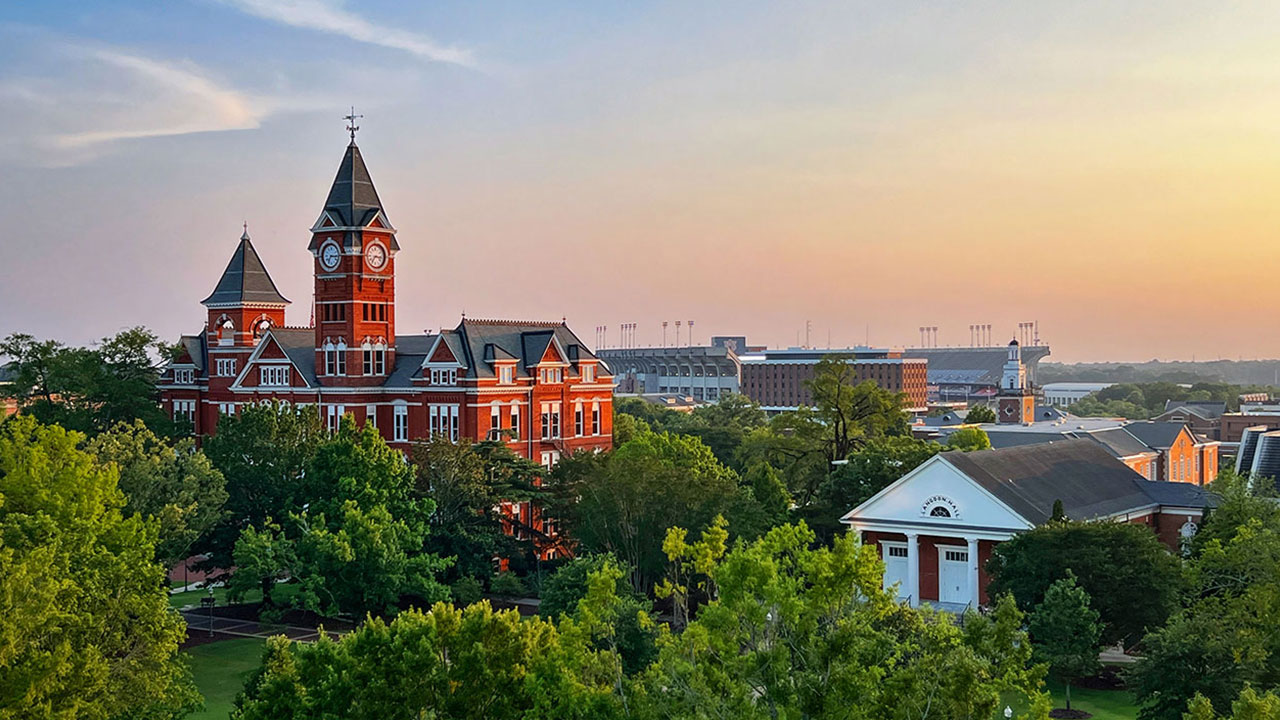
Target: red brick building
{"points": [[534, 384], [778, 379]]}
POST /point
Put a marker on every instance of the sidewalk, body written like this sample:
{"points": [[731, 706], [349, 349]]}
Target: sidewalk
{"points": [[198, 627]]}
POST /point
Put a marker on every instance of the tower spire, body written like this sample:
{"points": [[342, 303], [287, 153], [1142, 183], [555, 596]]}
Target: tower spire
{"points": [[352, 127]]}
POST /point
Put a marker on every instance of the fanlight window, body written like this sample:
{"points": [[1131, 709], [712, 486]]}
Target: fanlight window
{"points": [[940, 511]]}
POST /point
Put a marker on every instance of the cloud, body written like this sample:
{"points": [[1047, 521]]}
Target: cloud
{"points": [[330, 17], [189, 102]]}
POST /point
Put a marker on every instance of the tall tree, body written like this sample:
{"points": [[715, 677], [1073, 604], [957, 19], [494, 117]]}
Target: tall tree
{"points": [[358, 541], [85, 625], [263, 453], [1133, 581], [853, 412], [173, 483], [90, 389], [1065, 632], [612, 502]]}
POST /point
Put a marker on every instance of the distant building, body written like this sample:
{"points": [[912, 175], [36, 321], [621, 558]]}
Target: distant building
{"points": [[704, 373], [8, 405], [1016, 399], [936, 527], [778, 379], [1232, 425], [972, 374], [1066, 394], [1204, 418]]}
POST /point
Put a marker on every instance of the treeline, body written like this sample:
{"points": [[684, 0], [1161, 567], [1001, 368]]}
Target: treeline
{"points": [[1141, 401], [1235, 372]]}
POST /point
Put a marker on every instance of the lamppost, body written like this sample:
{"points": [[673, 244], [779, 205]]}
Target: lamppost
{"points": [[208, 602]]}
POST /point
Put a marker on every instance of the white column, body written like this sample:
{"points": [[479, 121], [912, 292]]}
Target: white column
{"points": [[913, 569], [973, 572]]}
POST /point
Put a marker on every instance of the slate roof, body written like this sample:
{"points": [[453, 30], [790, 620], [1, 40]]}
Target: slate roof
{"points": [[411, 351], [352, 200], [1079, 472], [1008, 439], [245, 280], [194, 345], [299, 345], [1206, 410], [1158, 435], [525, 341], [1120, 442]]}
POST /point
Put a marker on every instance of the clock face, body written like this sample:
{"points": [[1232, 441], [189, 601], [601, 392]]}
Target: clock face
{"points": [[329, 256], [376, 256]]}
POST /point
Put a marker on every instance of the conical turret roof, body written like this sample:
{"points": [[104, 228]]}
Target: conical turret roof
{"points": [[353, 201], [245, 281]]}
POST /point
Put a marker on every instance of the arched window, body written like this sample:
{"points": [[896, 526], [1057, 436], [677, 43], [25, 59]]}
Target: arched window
{"points": [[226, 331], [260, 328], [940, 511]]}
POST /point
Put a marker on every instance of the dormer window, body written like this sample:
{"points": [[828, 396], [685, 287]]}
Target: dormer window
{"points": [[444, 376], [184, 377], [506, 374], [588, 373], [549, 376]]}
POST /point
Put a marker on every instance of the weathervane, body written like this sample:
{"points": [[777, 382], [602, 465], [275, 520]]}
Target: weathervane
{"points": [[352, 127]]}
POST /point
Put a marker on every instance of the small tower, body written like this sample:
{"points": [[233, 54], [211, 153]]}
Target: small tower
{"points": [[1016, 402], [354, 246], [244, 304]]}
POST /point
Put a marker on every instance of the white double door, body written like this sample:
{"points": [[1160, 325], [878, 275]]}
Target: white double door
{"points": [[953, 575]]}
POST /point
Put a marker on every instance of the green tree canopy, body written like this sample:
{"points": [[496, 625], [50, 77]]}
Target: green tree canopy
{"points": [[612, 502], [357, 542], [969, 439], [980, 414], [447, 663], [799, 632], [1133, 581], [1065, 632], [90, 389], [85, 625], [263, 453], [173, 483]]}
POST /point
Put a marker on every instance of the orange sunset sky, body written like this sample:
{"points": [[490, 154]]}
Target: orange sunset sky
{"points": [[1108, 169]]}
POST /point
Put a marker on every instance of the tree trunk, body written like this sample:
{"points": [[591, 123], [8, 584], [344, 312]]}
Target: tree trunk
{"points": [[1068, 684]]}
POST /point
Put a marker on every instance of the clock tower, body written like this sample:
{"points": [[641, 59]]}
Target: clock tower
{"points": [[1016, 402], [354, 248]]}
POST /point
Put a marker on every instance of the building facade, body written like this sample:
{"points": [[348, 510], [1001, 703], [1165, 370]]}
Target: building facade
{"points": [[936, 527], [704, 373], [779, 379], [533, 385]]}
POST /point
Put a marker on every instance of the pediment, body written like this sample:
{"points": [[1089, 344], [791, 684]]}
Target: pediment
{"points": [[936, 492]]}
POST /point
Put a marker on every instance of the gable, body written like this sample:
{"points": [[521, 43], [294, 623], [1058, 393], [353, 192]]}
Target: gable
{"points": [[441, 353], [270, 350], [552, 355], [937, 484]]}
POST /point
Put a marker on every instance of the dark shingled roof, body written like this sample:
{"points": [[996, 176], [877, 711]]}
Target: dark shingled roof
{"points": [[1158, 435], [477, 342], [1079, 472], [1206, 410], [1120, 442], [245, 280], [299, 345]]}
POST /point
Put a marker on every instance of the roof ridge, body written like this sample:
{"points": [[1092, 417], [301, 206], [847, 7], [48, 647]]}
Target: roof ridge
{"points": [[514, 323]]}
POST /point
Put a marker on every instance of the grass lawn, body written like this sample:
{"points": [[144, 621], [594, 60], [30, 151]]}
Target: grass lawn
{"points": [[220, 670], [1104, 704], [281, 594]]}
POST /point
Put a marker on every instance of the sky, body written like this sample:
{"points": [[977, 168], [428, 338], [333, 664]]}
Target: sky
{"points": [[1107, 169]]}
